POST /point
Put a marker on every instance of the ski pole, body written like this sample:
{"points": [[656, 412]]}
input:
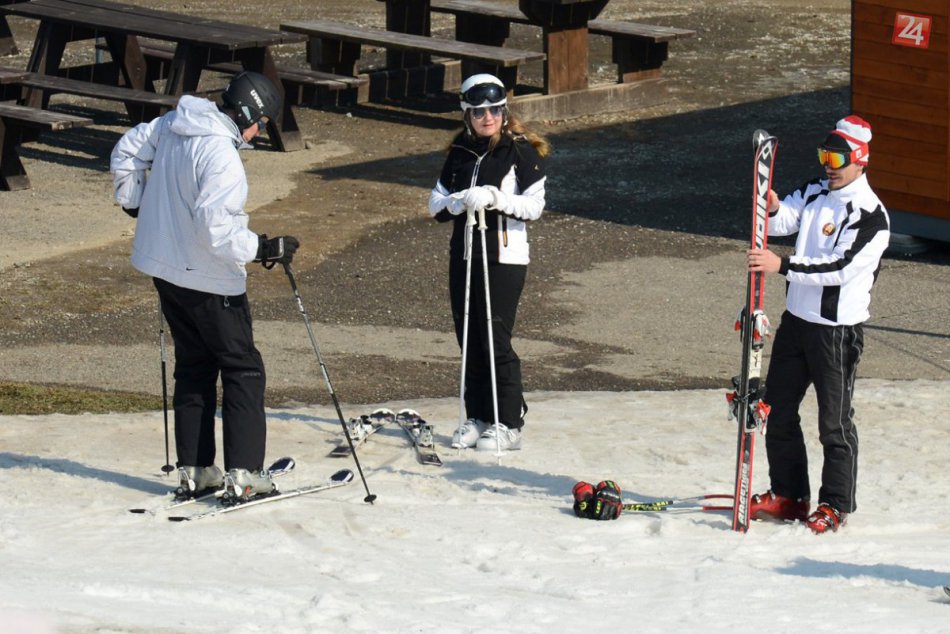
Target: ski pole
{"points": [[470, 233], [491, 339], [370, 498], [167, 468], [697, 503]]}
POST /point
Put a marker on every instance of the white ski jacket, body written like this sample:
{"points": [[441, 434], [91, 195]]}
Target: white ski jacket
{"points": [[842, 235], [182, 171]]}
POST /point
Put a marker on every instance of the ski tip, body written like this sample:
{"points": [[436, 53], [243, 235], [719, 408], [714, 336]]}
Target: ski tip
{"points": [[408, 413], [759, 136], [343, 475], [282, 464]]}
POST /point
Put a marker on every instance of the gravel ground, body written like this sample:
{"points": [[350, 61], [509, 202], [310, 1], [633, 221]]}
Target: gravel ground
{"points": [[637, 267]]}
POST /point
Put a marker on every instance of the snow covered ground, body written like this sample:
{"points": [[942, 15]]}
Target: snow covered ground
{"points": [[477, 546]]}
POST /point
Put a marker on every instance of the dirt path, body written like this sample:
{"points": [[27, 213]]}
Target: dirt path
{"points": [[637, 266]]}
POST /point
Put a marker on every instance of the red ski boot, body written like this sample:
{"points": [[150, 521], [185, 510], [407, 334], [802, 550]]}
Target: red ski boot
{"points": [[825, 519], [768, 506]]}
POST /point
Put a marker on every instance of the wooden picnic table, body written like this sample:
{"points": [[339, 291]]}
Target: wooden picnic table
{"points": [[564, 29], [199, 43]]}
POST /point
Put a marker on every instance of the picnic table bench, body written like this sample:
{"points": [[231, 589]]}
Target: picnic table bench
{"points": [[143, 105], [199, 43], [638, 49], [13, 120], [299, 84], [335, 47]]}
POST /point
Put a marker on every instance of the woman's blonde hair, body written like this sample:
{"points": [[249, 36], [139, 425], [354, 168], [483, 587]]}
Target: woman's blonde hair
{"points": [[515, 127]]}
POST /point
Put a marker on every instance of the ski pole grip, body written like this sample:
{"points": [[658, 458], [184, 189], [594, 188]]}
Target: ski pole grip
{"points": [[481, 220]]}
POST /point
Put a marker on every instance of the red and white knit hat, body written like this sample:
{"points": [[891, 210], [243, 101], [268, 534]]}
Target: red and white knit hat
{"points": [[856, 134]]}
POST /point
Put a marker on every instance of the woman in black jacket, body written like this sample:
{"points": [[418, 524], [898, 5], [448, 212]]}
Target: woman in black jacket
{"points": [[494, 165]]}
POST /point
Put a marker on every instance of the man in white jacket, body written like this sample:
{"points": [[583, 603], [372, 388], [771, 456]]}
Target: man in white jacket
{"points": [[843, 230], [180, 175]]}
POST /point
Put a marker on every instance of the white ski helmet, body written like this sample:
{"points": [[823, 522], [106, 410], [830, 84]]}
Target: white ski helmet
{"points": [[482, 90]]}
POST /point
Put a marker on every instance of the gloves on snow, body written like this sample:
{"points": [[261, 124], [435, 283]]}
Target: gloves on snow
{"points": [[602, 502]]}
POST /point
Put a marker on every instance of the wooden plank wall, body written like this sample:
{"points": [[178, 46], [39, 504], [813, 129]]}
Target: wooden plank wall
{"points": [[904, 93]]}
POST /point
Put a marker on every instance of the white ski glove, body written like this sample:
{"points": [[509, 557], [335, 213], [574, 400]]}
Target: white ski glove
{"points": [[499, 198], [456, 204], [478, 198]]}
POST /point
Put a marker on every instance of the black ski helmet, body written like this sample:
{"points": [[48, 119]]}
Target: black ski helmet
{"points": [[252, 96]]}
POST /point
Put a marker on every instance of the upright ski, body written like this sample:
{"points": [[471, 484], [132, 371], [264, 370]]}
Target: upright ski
{"points": [[420, 434], [361, 429], [746, 402], [280, 467], [340, 478]]}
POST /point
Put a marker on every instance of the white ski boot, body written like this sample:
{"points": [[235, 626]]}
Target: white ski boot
{"points": [[241, 485], [193, 480]]}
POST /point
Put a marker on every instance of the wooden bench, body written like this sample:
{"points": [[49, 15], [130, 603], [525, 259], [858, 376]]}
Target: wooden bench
{"points": [[335, 47], [142, 105], [638, 50], [300, 84], [13, 119]]}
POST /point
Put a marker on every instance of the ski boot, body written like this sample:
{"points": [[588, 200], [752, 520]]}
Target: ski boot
{"points": [[424, 437], [826, 519], [359, 428], [240, 485], [768, 506], [195, 481]]}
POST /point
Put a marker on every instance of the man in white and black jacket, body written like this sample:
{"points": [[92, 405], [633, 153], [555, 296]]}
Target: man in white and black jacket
{"points": [[843, 230]]}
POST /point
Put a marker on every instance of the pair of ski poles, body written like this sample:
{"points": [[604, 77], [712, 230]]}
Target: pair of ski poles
{"points": [[469, 235], [168, 468]]}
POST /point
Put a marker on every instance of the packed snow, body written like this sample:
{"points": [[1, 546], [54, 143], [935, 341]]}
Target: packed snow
{"points": [[481, 544]]}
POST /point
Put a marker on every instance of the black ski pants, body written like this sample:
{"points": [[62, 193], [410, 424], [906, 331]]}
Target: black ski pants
{"points": [[213, 337], [505, 282], [804, 354]]}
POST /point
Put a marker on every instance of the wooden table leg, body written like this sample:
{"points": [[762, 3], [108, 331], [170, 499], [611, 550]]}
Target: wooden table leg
{"points": [[565, 35], [407, 16], [7, 43], [45, 59], [132, 67], [12, 173], [185, 69]]}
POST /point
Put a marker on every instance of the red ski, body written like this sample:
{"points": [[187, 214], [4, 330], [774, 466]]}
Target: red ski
{"points": [[745, 402]]}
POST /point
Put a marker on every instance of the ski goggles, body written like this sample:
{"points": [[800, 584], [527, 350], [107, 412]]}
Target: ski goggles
{"points": [[481, 111], [483, 93], [836, 159]]}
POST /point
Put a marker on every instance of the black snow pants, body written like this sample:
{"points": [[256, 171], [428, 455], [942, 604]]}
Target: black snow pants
{"points": [[505, 281], [804, 354], [213, 336]]}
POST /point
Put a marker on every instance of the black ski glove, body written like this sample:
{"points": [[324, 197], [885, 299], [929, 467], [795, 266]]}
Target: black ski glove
{"points": [[583, 498], [608, 504], [600, 503], [279, 250], [134, 212]]}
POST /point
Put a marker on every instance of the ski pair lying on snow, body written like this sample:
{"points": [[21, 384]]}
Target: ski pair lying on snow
{"points": [[417, 429]]}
